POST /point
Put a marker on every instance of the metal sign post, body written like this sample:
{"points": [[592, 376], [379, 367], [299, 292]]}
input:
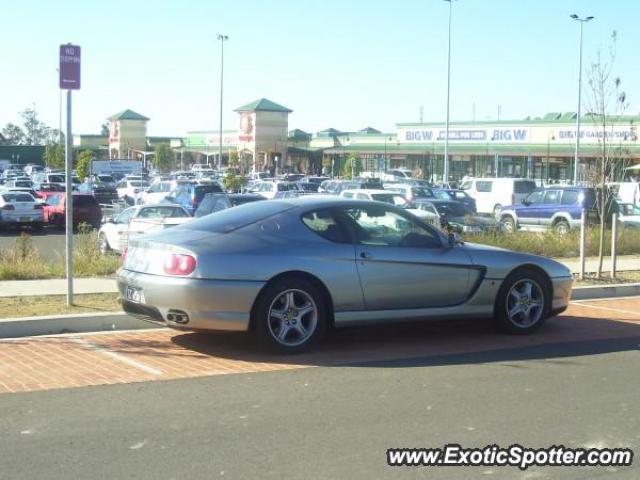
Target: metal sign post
{"points": [[69, 80]]}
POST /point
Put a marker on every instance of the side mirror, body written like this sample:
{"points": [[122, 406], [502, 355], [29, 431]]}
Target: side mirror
{"points": [[526, 202]]}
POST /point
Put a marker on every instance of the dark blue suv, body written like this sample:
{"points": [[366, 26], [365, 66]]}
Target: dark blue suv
{"points": [[557, 208]]}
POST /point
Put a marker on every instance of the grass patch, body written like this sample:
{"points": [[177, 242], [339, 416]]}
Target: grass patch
{"points": [[550, 244], [632, 276], [13, 307], [24, 262]]}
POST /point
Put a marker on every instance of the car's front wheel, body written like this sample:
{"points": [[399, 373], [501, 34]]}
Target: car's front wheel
{"points": [[290, 315], [509, 224], [562, 227], [523, 302]]}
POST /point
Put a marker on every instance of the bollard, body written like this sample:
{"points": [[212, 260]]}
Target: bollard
{"points": [[583, 241], [614, 239]]}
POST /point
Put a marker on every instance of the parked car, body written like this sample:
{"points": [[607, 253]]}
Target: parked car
{"points": [[129, 189], [156, 192], [557, 208], [215, 202], [103, 193], [457, 196], [269, 188], [189, 195], [396, 174], [116, 232], [629, 215], [85, 209], [20, 209], [491, 194], [458, 216], [410, 192], [288, 270]]}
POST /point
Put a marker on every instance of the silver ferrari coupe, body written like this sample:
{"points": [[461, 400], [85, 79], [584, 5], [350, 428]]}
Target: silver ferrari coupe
{"points": [[288, 270]]}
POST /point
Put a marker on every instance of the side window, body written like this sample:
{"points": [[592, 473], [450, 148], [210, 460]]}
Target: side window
{"points": [[323, 223], [551, 197], [483, 186], [362, 196], [535, 197], [348, 195], [125, 216], [383, 227], [570, 197]]}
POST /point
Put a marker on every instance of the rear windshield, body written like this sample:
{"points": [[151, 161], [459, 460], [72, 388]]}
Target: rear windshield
{"points": [[18, 197], [232, 219], [138, 184], [202, 190], [83, 200], [524, 186], [56, 178], [420, 192]]}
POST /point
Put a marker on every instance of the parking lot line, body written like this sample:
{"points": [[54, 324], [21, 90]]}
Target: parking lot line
{"points": [[117, 356]]}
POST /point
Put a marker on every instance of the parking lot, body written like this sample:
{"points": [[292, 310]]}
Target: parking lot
{"points": [[40, 363]]}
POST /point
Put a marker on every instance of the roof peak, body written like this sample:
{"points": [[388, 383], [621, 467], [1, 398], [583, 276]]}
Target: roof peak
{"points": [[263, 105], [127, 115]]}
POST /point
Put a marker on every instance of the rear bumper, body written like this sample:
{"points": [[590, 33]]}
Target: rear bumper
{"points": [[208, 304]]}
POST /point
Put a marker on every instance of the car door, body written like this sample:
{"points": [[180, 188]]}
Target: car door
{"points": [[548, 207], [529, 212], [402, 263], [117, 232]]}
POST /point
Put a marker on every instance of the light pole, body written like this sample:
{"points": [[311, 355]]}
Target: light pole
{"points": [[445, 173], [546, 170], [385, 153], [222, 38], [577, 155]]}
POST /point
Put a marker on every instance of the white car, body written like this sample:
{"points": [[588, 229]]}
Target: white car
{"points": [[115, 233], [129, 189], [269, 189], [393, 198], [410, 192], [156, 192], [629, 215], [20, 208], [491, 194]]}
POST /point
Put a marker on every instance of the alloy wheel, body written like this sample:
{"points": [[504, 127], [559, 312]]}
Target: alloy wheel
{"points": [[293, 317], [525, 303]]}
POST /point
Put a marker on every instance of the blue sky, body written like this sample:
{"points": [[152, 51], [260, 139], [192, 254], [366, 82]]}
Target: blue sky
{"points": [[337, 64]]}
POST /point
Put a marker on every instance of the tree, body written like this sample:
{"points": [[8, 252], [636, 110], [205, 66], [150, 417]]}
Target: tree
{"points": [[36, 132], [53, 156], [163, 158], [352, 166], [13, 135], [104, 129], [607, 105], [83, 167]]}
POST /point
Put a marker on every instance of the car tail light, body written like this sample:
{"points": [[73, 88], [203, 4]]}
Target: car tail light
{"points": [[177, 264], [8, 207], [124, 255]]}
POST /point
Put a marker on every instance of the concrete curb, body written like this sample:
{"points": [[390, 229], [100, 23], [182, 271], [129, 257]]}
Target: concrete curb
{"points": [[114, 321], [76, 323], [605, 291]]}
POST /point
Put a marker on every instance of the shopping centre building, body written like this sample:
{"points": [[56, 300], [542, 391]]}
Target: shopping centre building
{"points": [[537, 148]]}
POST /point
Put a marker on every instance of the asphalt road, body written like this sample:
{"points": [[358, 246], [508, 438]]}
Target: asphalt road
{"points": [[334, 422], [50, 242]]}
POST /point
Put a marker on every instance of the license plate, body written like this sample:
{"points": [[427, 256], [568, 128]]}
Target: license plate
{"points": [[24, 219], [134, 295]]}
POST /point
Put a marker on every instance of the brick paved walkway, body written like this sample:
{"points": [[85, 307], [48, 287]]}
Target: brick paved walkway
{"points": [[40, 363]]}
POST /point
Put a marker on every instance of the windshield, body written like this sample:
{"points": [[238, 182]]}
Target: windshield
{"points": [[453, 209]]}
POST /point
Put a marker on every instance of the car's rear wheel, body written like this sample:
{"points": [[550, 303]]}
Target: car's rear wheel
{"points": [[509, 224], [290, 315], [523, 302], [561, 227], [103, 244]]}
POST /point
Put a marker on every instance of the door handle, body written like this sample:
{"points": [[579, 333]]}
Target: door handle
{"points": [[365, 255]]}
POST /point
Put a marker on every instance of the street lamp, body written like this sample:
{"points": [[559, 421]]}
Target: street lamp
{"points": [[577, 155], [445, 172], [222, 38], [546, 173], [385, 153]]}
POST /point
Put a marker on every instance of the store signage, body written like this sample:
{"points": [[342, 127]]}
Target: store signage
{"points": [[464, 135], [69, 67]]}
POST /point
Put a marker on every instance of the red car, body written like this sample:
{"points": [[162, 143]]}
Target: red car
{"points": [[85, 209]]}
